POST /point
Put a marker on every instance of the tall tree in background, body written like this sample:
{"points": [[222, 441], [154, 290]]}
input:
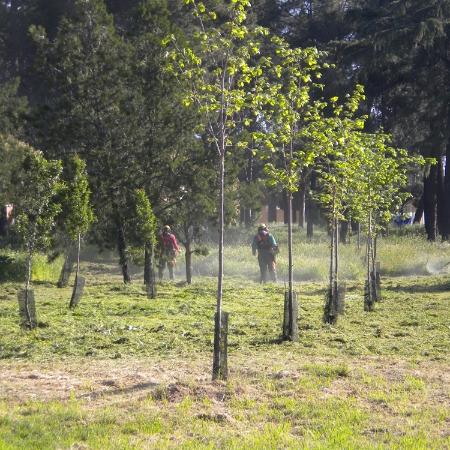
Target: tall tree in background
{"points": [[166, 131], [400, 53], [92, 112]]}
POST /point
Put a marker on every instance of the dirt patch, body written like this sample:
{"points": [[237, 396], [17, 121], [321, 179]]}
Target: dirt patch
{"points": [[92, 380], [99, 380]]}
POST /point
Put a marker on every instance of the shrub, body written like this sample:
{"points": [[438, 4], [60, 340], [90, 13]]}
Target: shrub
{"points": [[12, 267]]}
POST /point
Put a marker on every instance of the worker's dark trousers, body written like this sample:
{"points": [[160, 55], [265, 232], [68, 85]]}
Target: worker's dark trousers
{"points": [[267, 262], [169, 261]]}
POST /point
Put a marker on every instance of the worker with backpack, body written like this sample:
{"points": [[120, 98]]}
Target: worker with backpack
{"points": [[167, 248], [264, 243]]}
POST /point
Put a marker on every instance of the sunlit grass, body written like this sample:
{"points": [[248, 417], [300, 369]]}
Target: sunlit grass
{"points": [[374, 380]]}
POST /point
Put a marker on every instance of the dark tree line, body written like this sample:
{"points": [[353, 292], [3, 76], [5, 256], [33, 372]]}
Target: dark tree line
{"points": [[399, 52], [88, 79]]}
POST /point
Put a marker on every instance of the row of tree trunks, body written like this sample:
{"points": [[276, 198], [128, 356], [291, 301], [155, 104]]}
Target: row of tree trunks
{"points": [[445, 231], [435, 201], [434, 205]]}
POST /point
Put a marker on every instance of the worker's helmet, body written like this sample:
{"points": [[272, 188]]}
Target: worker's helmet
{"points": [[262, 226], [166, 228]]}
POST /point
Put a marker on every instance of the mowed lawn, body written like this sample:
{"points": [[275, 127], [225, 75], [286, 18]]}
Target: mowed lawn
{"points": [[122, 371]]}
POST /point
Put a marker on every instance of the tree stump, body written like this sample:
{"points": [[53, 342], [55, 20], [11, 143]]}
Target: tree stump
{"points": [[27, 310], [220, 366], [77, 292], [290, 319], [334, 303], [369, 297], [66, 270]]}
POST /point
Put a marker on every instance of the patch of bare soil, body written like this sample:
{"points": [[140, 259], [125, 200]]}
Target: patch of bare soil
{"points": [[100, 381]]}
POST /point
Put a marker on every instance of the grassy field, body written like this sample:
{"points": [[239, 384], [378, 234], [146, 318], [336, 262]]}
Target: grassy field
{"points": [[122, 371]]}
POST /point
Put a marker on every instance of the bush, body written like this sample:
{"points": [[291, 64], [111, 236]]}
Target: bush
{"points": [[12, 267]]}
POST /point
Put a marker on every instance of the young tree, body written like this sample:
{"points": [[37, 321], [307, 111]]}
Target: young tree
{"points": [[284, 115], [34, 207], [378, 194], [339, 147], [359, 174], [218, 77], [144, 237], [79, 211]]}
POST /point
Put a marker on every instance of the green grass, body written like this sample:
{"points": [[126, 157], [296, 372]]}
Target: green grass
{"points": [[122, 371]]}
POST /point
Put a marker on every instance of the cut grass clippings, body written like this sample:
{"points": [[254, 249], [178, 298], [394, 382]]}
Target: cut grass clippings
{"points": [[122, 371]]}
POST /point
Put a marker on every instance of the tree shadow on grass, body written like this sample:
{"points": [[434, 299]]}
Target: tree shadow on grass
{"points": [[419, 288]]}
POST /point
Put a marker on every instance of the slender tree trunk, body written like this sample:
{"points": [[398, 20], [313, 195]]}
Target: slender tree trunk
{"points": [[247, 217], [310, 214], [445, 232], [78, 257], [343, 233], [146, 266], [301, 206], [188, 255], [440, 197], [293, 326], [149, 270], [286, 214], [27, 289], [336, 253], [332, 260], [217, 366], [123, 260], [430, 200], [368, 253], [77, 269], [419, 211]]}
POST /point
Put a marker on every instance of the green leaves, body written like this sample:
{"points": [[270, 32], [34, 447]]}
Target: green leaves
{"points": [[76, 199], [144, 221], [36, 209]]}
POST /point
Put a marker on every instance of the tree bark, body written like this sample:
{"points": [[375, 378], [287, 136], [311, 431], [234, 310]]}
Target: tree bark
{"points": [[272, 209], [301, 206], [217, 363], [343, 232], [149, 270], [419, 211], [77, 270], [146, 266], [123, 260], [247, 217], [430, 202], [188, 256], [445, 232], [440, 197], [310, 207], [27, 290]]}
